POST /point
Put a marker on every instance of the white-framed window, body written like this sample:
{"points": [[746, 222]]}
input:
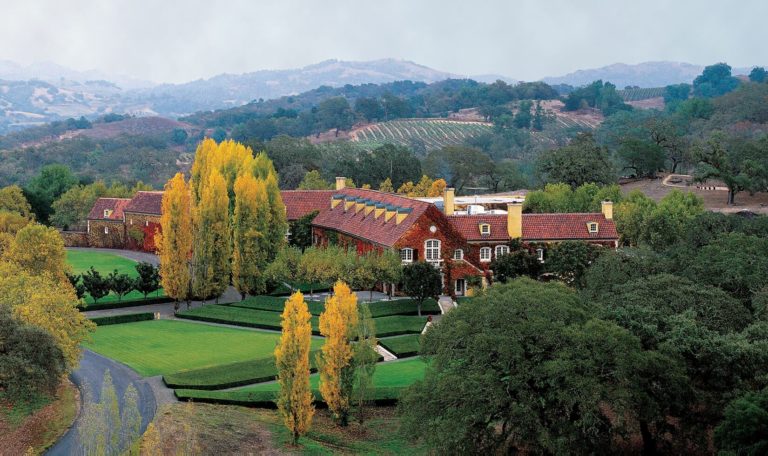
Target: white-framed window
{"points": [[540, 254], [592, 227], [131, 221], [485, 229], [458, 254], [432, 250], [485, 254], [406, 255], [501, 250], [106, 230], [107, 213], [461, 287], [146, 223]]}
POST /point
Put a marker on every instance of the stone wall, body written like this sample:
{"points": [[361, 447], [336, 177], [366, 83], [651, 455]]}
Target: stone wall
{"points": [[114, 238], [74, 238]]}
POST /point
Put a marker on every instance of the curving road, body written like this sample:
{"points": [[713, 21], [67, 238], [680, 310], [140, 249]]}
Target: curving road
{"points": [[89, 375]]}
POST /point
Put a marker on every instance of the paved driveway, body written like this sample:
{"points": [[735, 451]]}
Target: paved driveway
{"points": [[90, 375]]}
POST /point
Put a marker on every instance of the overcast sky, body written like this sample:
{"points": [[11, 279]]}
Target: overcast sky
{"points": [[177, 41]]}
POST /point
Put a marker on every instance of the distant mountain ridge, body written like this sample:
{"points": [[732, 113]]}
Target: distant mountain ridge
{"points": [[646, 74]]}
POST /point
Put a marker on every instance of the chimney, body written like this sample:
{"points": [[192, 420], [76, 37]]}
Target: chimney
{"points": [[607, 209], [515, 220], [390, 212], [341, 182], [448, 205], [402, 213]]}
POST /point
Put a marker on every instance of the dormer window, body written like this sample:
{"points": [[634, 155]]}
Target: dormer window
{"points": [[485, 229], [107, 213], [592, 227]]}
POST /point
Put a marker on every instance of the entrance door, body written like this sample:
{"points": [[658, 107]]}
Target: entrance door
{"points": [[461, 286]]}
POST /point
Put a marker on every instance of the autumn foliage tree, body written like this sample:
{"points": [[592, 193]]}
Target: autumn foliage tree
{"points": [[211, 256], [249, 232], [338, 323], [294, 401], [174, 242]]}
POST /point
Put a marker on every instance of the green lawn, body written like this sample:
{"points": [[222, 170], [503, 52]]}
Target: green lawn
{"points": [[378, 308], [82, 260], [165, 346], [393, 325], [402, 346], [391, 374], [389, 380]]}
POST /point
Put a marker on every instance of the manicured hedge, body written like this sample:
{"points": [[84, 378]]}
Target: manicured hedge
{"points": [[378, 308], [239, 316], [283, 290], [229, 375], [125, 318], [126, 303], [266, 399], [402, 346], [403, 307], [396, 325]]}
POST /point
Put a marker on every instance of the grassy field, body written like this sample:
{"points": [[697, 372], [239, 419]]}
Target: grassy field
{"points": [[392, 325], [402, 346], [389, 380], [82, 260], [226, 429], [378, 309], [165, 347]]}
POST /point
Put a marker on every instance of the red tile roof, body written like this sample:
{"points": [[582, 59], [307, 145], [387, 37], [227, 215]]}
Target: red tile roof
{"points": [[116, 205], [299, 203], [146, 203], [537, 227], [366, 226]]}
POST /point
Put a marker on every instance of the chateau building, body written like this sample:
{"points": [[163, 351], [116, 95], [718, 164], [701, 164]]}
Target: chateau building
{"points": [[462, 243]]}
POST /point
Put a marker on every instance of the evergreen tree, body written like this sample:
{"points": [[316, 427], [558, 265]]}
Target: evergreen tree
{"points": [[294, 401]]}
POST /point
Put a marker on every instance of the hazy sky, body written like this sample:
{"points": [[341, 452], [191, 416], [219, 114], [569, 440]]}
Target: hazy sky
{"points": [[176, 41]]}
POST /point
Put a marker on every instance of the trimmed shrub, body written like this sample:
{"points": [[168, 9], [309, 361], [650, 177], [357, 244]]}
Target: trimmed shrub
{"points": [[239, 316], [125, 318], [378, 308], [266, 399], [229, 375], [127, 303], [402, 346]]}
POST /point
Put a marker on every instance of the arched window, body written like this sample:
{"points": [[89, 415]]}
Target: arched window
{"points": [[485, 254], [501, 250], [406, 255], [432, 250]]}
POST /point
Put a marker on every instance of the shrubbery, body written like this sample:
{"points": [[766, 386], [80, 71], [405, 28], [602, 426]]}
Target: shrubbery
{"points": [[126, 318]]}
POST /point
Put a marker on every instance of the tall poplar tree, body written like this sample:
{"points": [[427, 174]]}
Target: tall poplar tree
{"points": [[278, 225], [174, 243], [212, 255], [294, 401], [249, 228], [338, 324]]}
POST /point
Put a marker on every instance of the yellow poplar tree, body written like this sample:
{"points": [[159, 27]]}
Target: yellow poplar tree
{"points": [[294, 401], [386, 186], [437, 188], [337, 371], [201, 166], [278, 224], [174, 242], [249, 228], [211, 258], [40, 250]]}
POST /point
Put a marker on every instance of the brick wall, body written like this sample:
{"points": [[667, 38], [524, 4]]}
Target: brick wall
{"points": [[74, 238]]}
